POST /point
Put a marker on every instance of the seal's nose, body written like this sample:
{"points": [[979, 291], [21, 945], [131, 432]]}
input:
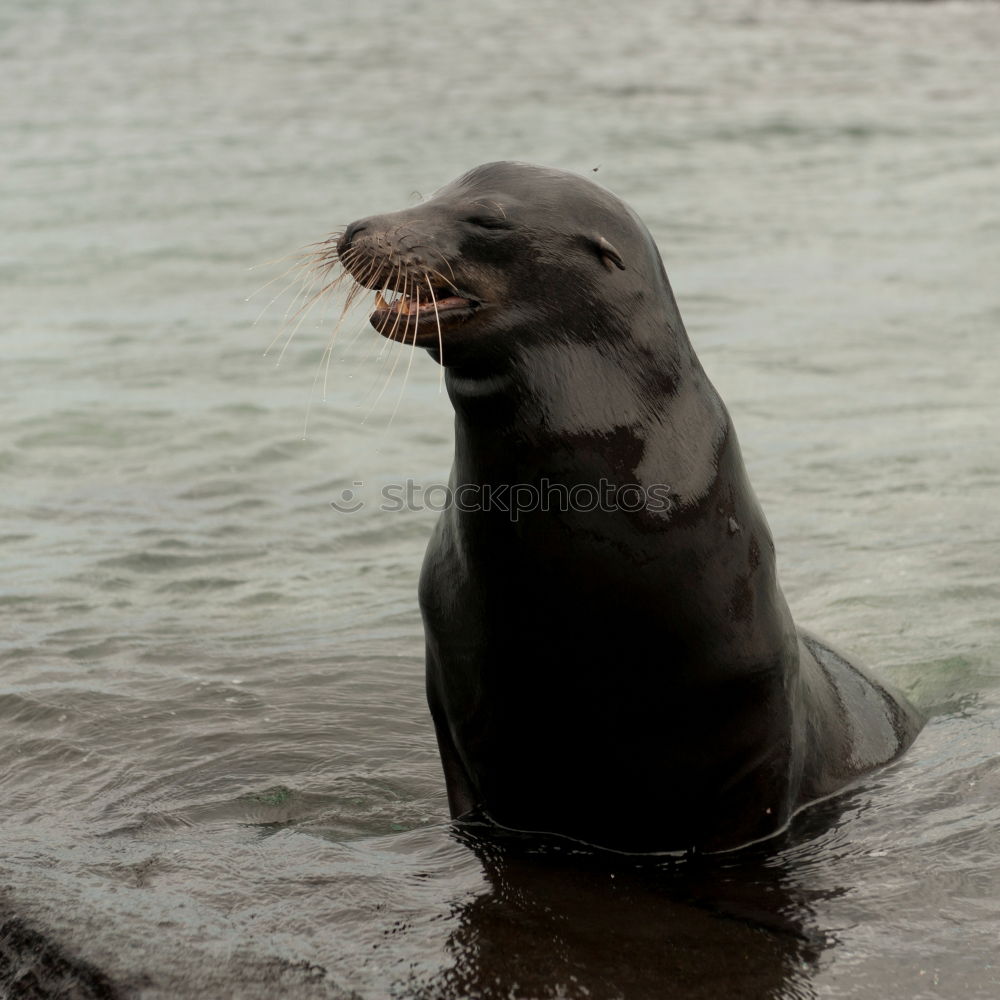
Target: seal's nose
{"points": [[350, 234]]}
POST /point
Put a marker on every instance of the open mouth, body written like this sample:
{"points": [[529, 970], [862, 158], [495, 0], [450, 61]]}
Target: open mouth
{"points": [[420, 313]]}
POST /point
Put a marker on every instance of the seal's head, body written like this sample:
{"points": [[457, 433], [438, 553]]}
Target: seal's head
{"points": [[507, 254]]}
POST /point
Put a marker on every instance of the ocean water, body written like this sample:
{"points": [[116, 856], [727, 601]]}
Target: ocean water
{"points": [[218, 772]]}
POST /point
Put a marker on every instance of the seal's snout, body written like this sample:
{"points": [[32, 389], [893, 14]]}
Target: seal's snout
{"points": [[350, 234], [397, 257]]}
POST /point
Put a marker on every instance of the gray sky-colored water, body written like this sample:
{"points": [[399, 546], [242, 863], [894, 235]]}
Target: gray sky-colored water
{"points": [[219, 768]]}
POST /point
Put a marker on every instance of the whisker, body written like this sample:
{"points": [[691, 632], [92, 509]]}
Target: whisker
{"points": [[409, 360], [327, 248], [376, 345], [355, 292], [384, 346], [444, 279], [306, 259], [302, 312], [395, 360], [306, 282], [380, 345], [298, 279], [301, 254], [304, 302], [331, 239], [323, 365], [349, 257], [312, 389], [448, 265], [298, 266], [437, 319], [333, 336]]}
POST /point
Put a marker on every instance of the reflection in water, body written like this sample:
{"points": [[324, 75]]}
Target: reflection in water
{"points": [[564, 922]]}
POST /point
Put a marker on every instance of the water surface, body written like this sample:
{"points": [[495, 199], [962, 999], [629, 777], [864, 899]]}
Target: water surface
{"points": [[219, 773]]}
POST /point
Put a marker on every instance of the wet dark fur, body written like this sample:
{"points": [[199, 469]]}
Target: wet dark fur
{"points": [[630, 679]]}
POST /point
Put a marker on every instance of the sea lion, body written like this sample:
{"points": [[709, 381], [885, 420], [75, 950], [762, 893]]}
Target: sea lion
{"points": [[610, 657]]}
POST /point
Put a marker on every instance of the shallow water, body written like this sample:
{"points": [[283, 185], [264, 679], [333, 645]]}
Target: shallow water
{"points": [[220, 774]]}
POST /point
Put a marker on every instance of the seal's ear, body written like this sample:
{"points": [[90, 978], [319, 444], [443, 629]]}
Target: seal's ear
{"points": [[611, 257]]}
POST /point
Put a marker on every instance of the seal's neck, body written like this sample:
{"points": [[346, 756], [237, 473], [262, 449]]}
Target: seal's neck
{"points": [[556, 388]]}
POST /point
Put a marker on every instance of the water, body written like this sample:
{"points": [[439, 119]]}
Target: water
{"points": [[219, 774]]}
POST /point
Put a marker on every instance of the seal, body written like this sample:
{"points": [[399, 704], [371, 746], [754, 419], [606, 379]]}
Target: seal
{"points": [[610, 657]]}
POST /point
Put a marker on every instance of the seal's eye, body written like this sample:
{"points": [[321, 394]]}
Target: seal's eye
{"points": [[488, 222]]}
